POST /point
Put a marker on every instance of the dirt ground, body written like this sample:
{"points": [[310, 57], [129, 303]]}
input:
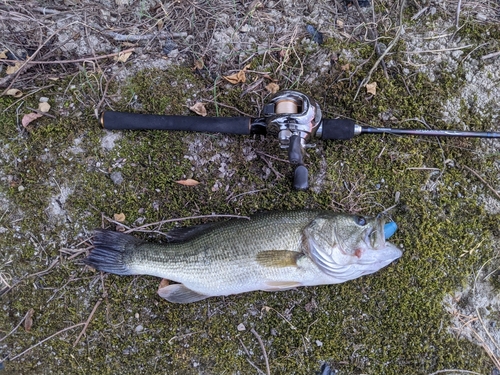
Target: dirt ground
{"points": [[410, 64]]}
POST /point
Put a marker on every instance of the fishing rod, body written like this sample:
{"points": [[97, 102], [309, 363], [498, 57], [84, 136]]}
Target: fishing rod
{"points": [[291, 116]]}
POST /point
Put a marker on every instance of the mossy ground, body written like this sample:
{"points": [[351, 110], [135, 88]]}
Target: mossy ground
{"points": [[392, 322]]}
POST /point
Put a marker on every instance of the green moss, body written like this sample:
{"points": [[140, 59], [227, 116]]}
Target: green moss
{"points": [[392, 322]]}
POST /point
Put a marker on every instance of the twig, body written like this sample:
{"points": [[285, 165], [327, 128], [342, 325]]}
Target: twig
{"points": [[483, 181], [46, 11], [373, 34], [87, 322], [46, 339], [26, 95], [25, 64], [34, 62], [438, 50], [246, 193], [227, 106], [455, 371], [160, 223], [105, 91], [41, 113], [14, 330], [136, 38], [182, 336], [248, 359], [272, 157], [268, 371], [419, 13], [490, 55], [457, 18], [389, 47]]}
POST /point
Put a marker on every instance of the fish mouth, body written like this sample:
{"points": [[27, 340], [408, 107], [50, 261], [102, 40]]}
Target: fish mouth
{"points": [[374, 237]]}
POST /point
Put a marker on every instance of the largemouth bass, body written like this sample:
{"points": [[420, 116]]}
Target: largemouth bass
{"points": [[272, 251]]}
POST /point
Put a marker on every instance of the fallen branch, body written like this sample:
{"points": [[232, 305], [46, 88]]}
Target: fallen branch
{"points": [[136, 38], [268, 371], [482, 180], [14, 330], [35, 62], [490, 55], [87, 322], [382, 56], [46, 339]]}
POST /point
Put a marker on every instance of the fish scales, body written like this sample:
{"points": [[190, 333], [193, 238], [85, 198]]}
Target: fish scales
{"points": [[272, 251], [226, 254]]}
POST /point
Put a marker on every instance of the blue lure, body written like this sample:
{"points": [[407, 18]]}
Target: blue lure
{"points": [[389, 229]]}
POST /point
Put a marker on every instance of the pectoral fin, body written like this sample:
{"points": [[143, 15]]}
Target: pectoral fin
{"points": [[278, 258], [273, 286], [178, 293]]}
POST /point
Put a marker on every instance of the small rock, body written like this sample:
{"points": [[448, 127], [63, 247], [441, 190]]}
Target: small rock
{"points": [[481, 17], [319, 343], [241, 327], [316, 35], [245, 28], [169, 47], [20, 188], [116, 177], [173, 54], [139, 328], [43, 99]]}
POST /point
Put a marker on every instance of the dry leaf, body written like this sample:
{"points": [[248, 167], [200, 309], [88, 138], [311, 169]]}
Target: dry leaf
{"points": [[27, 119], [345, 67], [163, 284], [371, 88], [188, 182], [340, 24], [119, 217], [43, 107], [15, 93], [28, 322], [237, 77], [3, 54], [198, 64], [122, 57], [272, 87], [13, 69], [199, 109]]}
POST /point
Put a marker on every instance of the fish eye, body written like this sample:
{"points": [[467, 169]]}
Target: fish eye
{"points": [[360, 220]]}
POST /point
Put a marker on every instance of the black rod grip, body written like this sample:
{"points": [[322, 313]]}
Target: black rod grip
{"points": [[135, 121], [338, 129]]}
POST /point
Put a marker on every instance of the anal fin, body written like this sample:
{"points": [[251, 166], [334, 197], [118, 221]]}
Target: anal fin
{"points": [[178, 293], [273, 286]]}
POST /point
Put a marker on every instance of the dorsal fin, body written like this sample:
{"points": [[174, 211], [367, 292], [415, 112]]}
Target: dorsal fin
{"points": [[182, 234]]}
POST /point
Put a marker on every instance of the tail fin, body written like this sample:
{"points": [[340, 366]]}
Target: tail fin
{"points": [[110, 252]]}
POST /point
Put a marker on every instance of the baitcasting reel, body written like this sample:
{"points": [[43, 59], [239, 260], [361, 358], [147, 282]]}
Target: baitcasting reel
{"points": [[291, 116]]}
